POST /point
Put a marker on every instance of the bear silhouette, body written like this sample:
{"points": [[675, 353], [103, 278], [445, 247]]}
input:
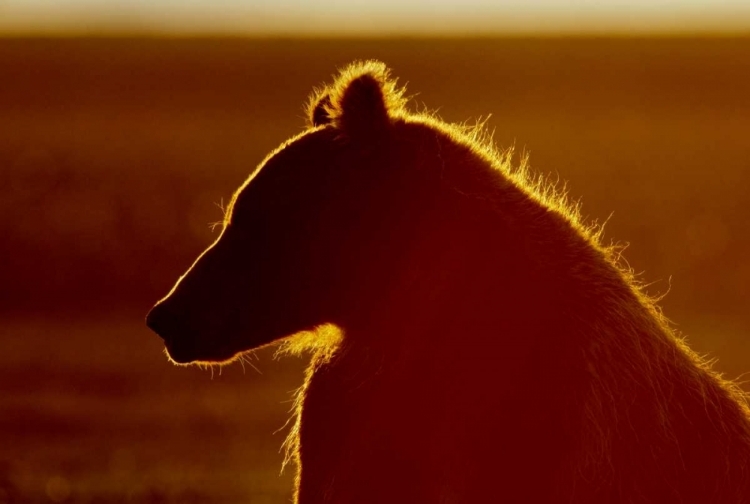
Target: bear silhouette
{"points": [[471, 339]]}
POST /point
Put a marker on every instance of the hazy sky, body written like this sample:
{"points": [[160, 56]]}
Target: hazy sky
{"points": [[372, 16]]}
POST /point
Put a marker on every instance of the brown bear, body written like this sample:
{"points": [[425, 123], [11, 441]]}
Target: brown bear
{"points": [[473, 341]]}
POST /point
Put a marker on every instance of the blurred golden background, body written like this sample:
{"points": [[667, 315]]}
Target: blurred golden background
{"points": [[117, 152]]}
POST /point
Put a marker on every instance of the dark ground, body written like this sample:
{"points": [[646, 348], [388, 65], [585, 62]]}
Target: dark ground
{"points": [[114, 154]]}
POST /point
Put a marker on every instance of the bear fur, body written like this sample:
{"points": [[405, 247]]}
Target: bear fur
{"points": [[472, 340]]}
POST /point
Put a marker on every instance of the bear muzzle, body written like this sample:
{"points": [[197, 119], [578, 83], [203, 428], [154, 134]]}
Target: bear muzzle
{"points": [[185, 339], [174, 331]]}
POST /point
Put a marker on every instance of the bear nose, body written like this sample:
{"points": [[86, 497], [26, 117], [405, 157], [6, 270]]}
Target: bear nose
{"points": [[154, 320]]}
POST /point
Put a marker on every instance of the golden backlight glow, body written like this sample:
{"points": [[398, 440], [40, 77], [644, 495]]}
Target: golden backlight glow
{"points": [[114, 152], [357, 18], [632, 325]]}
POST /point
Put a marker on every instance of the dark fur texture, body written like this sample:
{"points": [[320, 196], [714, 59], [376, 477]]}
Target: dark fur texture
{"points": [[472, 341]]}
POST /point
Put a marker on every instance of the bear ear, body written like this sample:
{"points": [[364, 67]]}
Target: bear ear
{"points": [[363, 99], [319, 108], [363, 104]]}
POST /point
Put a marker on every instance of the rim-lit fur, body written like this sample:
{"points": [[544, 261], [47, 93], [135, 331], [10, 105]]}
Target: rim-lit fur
{"points": [[472, 339]]}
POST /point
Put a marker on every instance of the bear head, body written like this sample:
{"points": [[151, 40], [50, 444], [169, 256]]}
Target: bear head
{"points": [[317, 233]]}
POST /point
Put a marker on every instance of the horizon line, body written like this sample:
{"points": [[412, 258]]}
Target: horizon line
{"points": [[145, 33]]}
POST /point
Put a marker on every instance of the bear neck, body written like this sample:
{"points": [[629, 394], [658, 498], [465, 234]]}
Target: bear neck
{"points": [[474, 253], [500, 308]]}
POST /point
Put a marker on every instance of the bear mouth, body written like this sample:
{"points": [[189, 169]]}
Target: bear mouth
{"points": [[185, 349], [185, 344], [180, 353]]}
